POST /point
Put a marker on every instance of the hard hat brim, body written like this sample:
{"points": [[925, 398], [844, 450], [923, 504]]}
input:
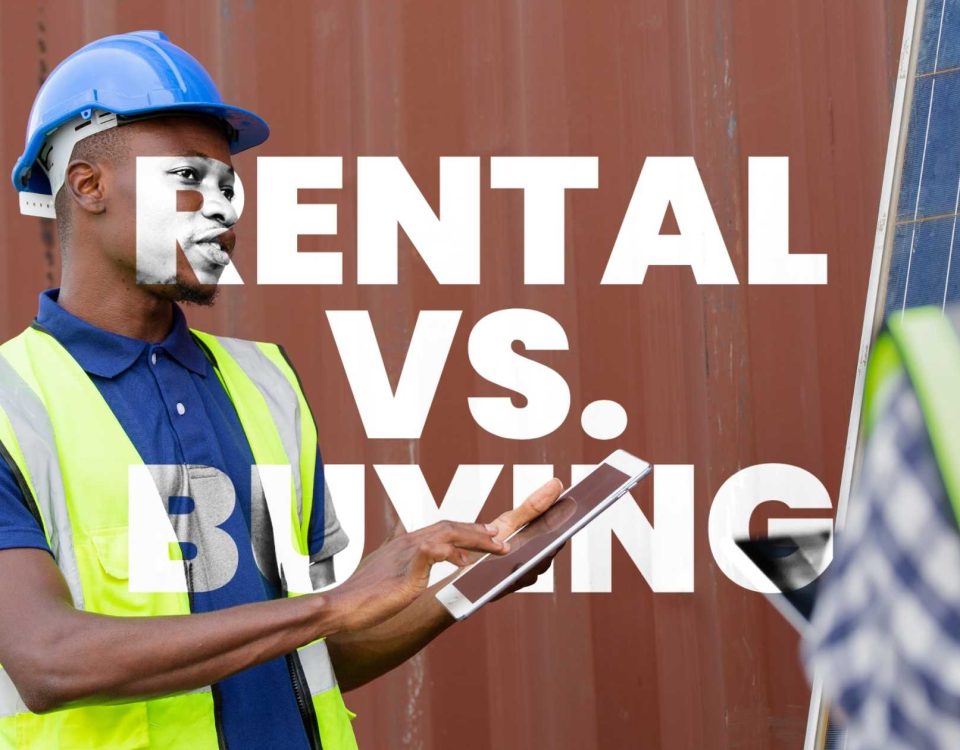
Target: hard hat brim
{"points": [[250, 129]]}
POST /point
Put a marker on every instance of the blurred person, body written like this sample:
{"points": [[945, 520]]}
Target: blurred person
{"points": [[885, 635]]}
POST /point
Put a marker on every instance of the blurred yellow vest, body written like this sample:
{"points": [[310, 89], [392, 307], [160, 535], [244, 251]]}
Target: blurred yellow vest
{"points": [[923, 345]]}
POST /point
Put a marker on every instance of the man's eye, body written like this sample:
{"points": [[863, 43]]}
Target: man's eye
{"points": [[187, 173], [227, 192]]}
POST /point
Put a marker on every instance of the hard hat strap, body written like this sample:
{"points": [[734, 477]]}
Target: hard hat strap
{"points": [[57, 149], [54, 157]]}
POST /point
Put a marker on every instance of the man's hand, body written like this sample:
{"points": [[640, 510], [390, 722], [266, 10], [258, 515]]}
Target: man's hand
{"points": [[361, 655], [507, 523], [393, 576]]}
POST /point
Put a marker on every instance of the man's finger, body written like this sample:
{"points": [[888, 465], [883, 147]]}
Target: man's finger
{"points": [[469, 536], [435, 552], [533, 506]]}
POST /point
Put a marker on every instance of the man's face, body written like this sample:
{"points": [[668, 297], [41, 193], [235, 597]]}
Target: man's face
{"points": [[185, 198]]}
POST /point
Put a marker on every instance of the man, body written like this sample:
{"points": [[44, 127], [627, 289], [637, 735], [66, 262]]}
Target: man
{"points": [[885, 637], [109, 392]]}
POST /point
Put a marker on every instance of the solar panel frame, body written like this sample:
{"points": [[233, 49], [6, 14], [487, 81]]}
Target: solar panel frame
{"points": [[915, 65]]}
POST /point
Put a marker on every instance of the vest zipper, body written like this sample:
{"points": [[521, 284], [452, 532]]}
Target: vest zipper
{"points": [[214, 689], [218, 717], [304, 702], [301, 690]]}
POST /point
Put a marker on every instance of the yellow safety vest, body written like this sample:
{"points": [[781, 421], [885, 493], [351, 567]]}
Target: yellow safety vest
{"points": [[923, 344], [70, 456]]}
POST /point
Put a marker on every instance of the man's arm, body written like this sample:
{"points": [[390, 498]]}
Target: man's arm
{"points": [[57, 655], [362, 655]]}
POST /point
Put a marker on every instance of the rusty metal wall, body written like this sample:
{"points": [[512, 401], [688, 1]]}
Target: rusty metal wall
{"points": [[720, 377]]}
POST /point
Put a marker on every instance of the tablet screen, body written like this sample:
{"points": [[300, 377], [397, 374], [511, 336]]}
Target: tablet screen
{"points": [[537, 535]]}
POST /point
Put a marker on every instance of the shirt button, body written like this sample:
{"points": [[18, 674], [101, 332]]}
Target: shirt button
{"points": [[153, 358], [181, 409]]}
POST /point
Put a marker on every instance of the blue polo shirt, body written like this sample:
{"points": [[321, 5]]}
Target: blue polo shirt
{"points": [[173, 407]]}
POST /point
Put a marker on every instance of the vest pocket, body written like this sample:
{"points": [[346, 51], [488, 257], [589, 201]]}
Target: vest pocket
{"points": [[103, 558], [104, 571]]}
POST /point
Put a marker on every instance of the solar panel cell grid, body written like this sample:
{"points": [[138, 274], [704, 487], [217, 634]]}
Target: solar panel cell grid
{"points": [[923, 268], [928, 267], [947, 33]]}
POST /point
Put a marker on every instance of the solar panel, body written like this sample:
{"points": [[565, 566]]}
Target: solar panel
{"points": [[924, 267]]}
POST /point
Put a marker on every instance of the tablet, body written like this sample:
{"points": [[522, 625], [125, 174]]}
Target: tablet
{"points": [[480, 582], [788, 567]]}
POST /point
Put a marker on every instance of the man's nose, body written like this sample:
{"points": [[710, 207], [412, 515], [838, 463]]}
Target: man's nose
{"points": [[218, 207]]}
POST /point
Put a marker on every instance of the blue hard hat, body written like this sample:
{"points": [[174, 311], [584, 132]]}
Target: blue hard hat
{"points": [[138, 73]]}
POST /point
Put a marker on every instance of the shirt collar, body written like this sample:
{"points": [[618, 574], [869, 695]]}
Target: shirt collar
{"points": [[108, 354]]}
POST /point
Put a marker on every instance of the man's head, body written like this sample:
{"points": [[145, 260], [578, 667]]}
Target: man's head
{"points": [[97, 207], [115, 99]]}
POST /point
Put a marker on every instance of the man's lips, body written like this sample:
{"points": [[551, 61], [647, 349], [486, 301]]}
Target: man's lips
{"points": [[225, 238]]}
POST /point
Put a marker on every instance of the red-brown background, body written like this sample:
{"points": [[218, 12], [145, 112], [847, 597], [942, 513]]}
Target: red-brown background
{"points": [[720, 377]]}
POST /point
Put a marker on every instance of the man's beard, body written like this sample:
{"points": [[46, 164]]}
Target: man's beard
{"points": [[198, 295]]}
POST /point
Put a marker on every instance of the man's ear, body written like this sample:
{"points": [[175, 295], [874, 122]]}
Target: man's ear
{"points": [[85, 181]]}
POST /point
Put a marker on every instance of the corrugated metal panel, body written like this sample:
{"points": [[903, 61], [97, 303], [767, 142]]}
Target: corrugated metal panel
{"points": [[719, 377]]}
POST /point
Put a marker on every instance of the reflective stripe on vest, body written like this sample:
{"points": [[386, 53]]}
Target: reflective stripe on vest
{"points": [[924, 343], [317, 667], [10, 701], [47, 404], [246, 367], [277, 393], [34, 436]]}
